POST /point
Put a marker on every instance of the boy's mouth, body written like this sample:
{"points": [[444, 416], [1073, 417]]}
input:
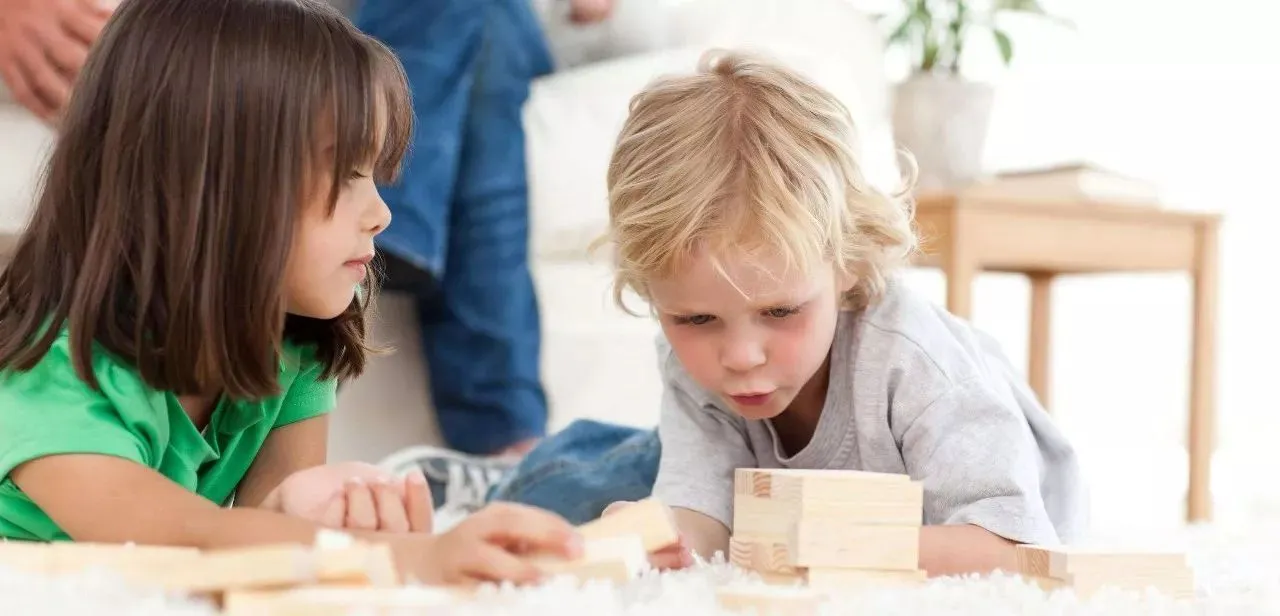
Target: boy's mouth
{"points": [[751, 399]]}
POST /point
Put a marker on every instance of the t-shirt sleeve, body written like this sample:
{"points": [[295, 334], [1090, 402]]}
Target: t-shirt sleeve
{"points": [[309, 394], [979, 464], [701, 447], [48, 410]]}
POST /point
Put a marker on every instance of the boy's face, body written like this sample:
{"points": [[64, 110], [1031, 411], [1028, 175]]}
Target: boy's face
{"points": [[756, 345]]}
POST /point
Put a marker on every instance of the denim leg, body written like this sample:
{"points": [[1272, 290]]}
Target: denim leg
{"points": [[483, 338], [578, 471], [438, 42]]}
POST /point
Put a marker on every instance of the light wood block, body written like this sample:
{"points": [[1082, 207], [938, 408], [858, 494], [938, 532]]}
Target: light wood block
{"points": [[68, 557], [767, 519], [770, 601], [649, 518], [1089, 569], [615, 559], [808, 484], [837, 580], [832, 544]]}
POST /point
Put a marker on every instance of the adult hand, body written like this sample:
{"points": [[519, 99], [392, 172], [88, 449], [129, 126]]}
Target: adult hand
{"points": [[43, 44], [590, 11]]}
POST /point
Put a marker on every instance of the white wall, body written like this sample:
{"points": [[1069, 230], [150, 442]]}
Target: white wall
{"points": [[1186, 94]]}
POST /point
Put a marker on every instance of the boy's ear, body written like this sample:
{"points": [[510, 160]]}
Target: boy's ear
{"points": [[846, 279]]}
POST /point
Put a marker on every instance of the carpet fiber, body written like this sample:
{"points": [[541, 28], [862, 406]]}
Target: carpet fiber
{"points": [[1237, 573]]}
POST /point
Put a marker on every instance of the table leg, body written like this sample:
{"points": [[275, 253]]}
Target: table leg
{"points": [[1201, 428], [960, 269], [1038, 353]]}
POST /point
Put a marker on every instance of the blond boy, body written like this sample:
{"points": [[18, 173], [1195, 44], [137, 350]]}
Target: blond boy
{"points": [[739, 212]]}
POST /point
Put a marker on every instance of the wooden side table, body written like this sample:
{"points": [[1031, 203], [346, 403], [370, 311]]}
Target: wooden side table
{"points": [[967, 235]]}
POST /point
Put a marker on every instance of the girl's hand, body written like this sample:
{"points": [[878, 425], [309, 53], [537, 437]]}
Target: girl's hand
{"points": [[677, 556], [383, 505], [354, 495], [492, 545]]}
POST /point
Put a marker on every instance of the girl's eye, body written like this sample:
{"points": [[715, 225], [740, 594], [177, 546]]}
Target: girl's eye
{"points": [[697, 319], [355, 174], [782, 312]]}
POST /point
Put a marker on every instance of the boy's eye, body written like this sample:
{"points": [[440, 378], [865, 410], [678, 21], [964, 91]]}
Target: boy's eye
{"points": [[782, 312], [697, 319], [356, 174]]}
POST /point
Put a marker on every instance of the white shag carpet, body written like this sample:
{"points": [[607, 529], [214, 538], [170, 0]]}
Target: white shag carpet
{"points": [[1237, 573]]}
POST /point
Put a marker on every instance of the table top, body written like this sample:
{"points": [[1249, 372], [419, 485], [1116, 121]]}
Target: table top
{"points": [[936, 201]]}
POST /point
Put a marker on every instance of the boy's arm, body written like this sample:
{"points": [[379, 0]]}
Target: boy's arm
{"points": [[701, 533], [980, 465], [960, 549], [287, 450]]}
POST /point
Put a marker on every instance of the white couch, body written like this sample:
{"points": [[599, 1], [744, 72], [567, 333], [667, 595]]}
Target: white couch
{"points": [[597, 361]]}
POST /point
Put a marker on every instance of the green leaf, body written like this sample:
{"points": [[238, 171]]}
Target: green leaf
{"points": [[1005, 45], [901, 32], [1024, 6]]}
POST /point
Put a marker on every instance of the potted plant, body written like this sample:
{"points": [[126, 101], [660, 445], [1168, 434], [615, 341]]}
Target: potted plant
{"points": [[940, 116]]}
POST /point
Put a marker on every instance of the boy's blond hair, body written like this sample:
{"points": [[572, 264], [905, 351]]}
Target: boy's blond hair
{"points": [[743, 157]]}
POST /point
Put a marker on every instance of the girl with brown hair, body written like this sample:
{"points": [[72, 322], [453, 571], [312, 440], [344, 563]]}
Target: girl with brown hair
{"points": [[194, 282]]}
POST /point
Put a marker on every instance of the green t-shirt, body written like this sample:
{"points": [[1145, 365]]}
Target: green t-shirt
{"points": [[49, 410]]}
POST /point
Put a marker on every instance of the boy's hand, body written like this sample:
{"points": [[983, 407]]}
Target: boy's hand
{"points": [[677, 556], [491, 545]]}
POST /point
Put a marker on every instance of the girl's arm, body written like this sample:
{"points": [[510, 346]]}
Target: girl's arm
{"points": [[287, 450], [102, 498]]}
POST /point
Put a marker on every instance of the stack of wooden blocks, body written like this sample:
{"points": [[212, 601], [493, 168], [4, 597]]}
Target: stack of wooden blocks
{"points": [[828, 530], [1086, 570]]}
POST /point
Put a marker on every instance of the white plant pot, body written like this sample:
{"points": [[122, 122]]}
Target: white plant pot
{"points": [[941, 120]]}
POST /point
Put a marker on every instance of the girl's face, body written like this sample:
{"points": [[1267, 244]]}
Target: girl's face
{"points": [[331, 252]]}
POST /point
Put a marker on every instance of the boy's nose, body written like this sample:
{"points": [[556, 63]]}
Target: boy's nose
{"points": [[742, 356]]}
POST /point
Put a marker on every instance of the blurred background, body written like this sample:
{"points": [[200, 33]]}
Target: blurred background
{"points": [[1156, 105]]}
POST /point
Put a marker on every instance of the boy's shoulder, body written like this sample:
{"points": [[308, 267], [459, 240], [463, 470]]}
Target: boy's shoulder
{"points": [[907, 331]]}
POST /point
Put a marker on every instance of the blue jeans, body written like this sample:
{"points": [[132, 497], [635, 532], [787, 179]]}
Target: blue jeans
{"points": [[461, 211], [578, 471]]}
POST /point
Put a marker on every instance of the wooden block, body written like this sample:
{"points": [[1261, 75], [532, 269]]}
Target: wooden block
{"points": [[649, 519], [770, 601], [835, 580], [761, 557], [824, 543], [65, 557], [616, 559], [341, 601], [844, 580], [793, 484], [1089, 569], [272, 567], [893, 504]]}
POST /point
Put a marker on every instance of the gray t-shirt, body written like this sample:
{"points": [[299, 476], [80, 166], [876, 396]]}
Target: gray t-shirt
{"points": [[912, 390]]}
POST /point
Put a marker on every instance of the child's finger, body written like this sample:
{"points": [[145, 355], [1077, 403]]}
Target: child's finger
{"points": [[493, 564], [392, 517], [334, 513], [361, 511], [539, 529], [417, 502]]}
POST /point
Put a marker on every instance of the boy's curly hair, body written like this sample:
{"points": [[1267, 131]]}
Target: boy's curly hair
{"points": [[746, 156]]}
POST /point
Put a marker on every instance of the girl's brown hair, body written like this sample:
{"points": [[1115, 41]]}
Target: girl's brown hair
{"points": [[168, 206]]}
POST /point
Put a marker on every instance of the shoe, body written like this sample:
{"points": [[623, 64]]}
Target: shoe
{"points": [[459, 482]]}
